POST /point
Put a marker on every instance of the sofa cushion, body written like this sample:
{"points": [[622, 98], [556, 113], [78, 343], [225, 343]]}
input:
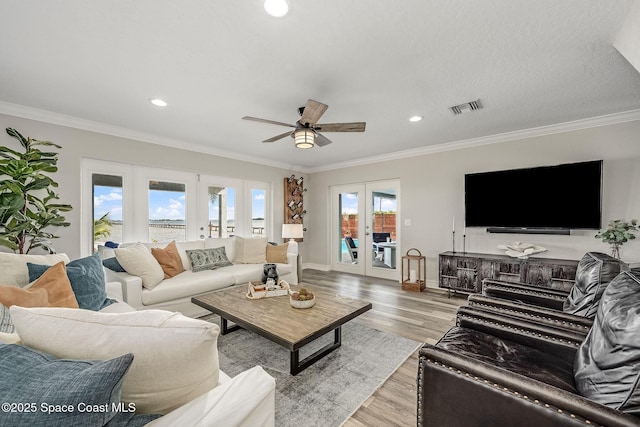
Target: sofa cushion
{"points": [[514, 357], [277, 254], [176, 357], [30, 377], [208, 259], [169, 259], [250, 251], [87, 281], [593, 274], [227, 242], [51, 289], [14, 266], [188, 284], [138, 261], [607, 364]]}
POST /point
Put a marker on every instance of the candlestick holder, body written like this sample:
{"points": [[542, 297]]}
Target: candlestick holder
{"points": [[453, 241], [464, 243]]}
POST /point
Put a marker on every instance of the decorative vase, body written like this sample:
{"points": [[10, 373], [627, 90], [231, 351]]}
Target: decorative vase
{"points": [[615, 250], [269, 271]]}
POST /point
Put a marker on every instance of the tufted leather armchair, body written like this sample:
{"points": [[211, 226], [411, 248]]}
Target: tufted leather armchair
{"points": [[492, 370], [573, 311]]}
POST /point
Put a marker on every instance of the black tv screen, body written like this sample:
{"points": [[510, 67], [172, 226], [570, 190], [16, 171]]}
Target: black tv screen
{"points": [[558, 197]]}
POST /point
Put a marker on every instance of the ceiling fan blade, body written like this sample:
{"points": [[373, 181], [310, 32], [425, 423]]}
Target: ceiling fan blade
{"points": [[341, 127], [322, 140], [312, 112], [255, 119], [277, 137]]}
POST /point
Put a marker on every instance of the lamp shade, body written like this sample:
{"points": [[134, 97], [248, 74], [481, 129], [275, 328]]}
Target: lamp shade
{"points": [[304, 138], [292, 231]]}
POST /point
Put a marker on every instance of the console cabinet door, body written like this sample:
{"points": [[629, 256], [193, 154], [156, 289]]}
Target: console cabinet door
{"points": [[468, 278]]}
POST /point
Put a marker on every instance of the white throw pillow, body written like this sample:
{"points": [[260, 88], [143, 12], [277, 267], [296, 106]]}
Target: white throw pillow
{"points": [[175, 357], [13, 267], [138, 261], [250, 251]]}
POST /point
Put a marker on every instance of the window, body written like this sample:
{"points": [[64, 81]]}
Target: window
{"points": [[222, 202], [258, 197], [167, 219], [135, 203], [107, 209]]}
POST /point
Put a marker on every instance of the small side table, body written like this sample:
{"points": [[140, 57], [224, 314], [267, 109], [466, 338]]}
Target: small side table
{"points": [[413, 275]]}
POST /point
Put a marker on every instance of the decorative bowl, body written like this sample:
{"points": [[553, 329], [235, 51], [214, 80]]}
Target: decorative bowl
{"points": [[302, 304], [306, 303]]}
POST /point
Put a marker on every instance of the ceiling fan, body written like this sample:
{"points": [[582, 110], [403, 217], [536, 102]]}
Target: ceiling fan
{"points": [[306, 132]]}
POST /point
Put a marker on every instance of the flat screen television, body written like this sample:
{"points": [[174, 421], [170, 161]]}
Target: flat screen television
{"points": [[548, 199]]}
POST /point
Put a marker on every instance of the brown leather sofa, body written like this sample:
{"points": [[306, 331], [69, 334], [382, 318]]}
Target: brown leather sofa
{"points": [[494, 370]]}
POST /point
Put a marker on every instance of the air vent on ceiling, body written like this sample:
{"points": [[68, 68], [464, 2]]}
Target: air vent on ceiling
{"points": [[466, 107]]}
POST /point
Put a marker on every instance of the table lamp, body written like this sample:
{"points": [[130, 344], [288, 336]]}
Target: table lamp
{"points": [[292, 232]]}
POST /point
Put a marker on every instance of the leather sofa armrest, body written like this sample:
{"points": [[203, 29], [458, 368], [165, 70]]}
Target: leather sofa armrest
{"points": [[543, 297], [531, 313], [455, 390], [562, 344], [246, 400]]}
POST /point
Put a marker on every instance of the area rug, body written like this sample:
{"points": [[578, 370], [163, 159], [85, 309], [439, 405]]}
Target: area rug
{"points": [[330, 391]]}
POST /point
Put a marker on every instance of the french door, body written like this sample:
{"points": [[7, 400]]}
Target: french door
{"points": [[365, 238]]}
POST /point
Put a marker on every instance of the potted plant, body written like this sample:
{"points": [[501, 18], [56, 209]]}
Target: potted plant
{"points": [[617, 233], [27, 201]]}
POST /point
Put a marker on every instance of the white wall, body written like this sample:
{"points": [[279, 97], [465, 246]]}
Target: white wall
{"points": [[433, 192], [77, 144]]}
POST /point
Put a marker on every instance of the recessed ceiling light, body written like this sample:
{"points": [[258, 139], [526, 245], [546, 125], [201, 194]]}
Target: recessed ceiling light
{"points": [[158, 102], [276, 8], [415, 118]]}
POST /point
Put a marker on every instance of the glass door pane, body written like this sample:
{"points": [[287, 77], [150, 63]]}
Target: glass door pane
{"points": [[167, 219], [348, 211], [257, 212], [383, 226], [107, 209], [222, 202]]}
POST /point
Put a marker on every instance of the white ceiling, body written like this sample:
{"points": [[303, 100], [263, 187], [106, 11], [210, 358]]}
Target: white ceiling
{"points": [[531, 63]]}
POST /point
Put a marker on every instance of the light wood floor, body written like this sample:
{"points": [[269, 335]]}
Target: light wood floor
{"points": [[420, 316]]}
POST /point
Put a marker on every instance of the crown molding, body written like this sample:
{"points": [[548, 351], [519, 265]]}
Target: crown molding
{"points": [[609, 119], [93, 126]]}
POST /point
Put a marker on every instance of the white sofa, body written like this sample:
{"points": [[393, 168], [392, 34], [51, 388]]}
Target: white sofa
{"points": [[175, 293], [227, 404]]}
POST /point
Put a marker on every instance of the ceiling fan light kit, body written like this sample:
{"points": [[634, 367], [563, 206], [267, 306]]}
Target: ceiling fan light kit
{"points": [[306, 133], [304, 138]]}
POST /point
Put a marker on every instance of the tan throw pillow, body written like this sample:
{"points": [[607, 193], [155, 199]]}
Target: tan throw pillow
{"points": [[169, 259], [175, 357], [138, 261], [277, 254], [250, 251], [52, 289], [14, 266]]}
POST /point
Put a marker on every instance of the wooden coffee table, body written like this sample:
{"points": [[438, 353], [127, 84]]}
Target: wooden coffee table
{"points": [[276, 320]]}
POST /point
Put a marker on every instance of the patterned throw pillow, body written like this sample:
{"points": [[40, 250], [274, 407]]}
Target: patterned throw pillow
{"points": [[208, 259], [6, 325]]}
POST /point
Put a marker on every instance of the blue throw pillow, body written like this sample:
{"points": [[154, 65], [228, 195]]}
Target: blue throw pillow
{"points": [[40, 390], [87, 281], [113, 265]]}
